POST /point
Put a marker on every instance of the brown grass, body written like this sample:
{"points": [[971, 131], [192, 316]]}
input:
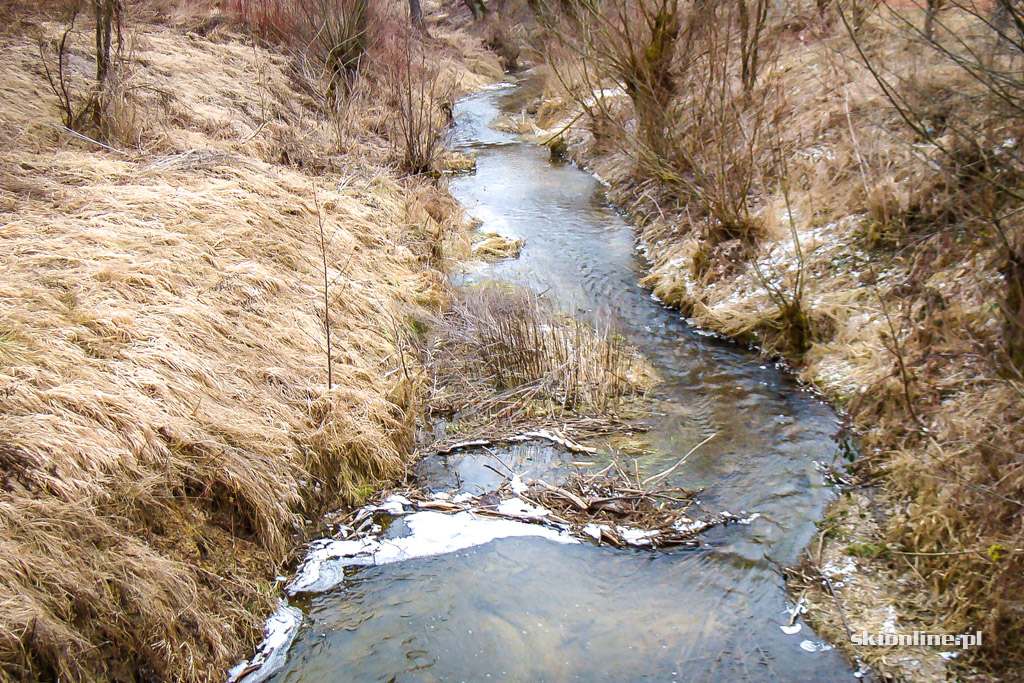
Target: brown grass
{"points": [[499, 354], [167, 432], [902, 290]]}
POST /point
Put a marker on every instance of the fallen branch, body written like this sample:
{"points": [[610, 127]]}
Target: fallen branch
{"points": [[543, 435], [670, 470]]}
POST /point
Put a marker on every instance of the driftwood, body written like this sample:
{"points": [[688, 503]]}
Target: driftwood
{"points": [[612, 506], [540, 434]]}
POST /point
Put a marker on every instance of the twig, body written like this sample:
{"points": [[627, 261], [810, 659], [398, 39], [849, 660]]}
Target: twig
{"points": [[832, 591], [76, 134], [327, 302], [672, 469], [565, 127]]}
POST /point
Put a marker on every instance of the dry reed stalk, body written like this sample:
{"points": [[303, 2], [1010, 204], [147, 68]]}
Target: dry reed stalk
{"points": [[498, 353]]}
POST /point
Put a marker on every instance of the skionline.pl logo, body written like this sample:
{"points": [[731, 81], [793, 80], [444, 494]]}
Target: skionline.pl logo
{"points": [[964, 640]]}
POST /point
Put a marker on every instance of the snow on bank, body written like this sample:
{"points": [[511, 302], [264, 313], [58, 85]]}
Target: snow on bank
{"points": [[426, 533], [279, 631], [431, 533]]}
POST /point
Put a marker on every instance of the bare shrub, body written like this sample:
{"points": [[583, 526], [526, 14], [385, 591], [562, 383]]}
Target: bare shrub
{"points": [[972, 123], [698, 77], [424, 109], [333, 34], [84, 106]]}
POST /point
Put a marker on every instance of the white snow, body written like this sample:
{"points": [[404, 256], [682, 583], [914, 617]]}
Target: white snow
{"points": [[790, 630], [889, 626], [811, 646], [517, 485], [637, 537], [686, 525], [394, 504], [431, 533], [280, 631], [517, 507]]}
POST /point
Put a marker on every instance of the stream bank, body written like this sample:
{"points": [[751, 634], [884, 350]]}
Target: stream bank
{"points": [[173, 418], [528, 608], [900, 333]]}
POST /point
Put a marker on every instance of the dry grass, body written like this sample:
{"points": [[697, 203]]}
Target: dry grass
{"points": [[493, 247], [901, 290], [498, 354], [166, 430]]}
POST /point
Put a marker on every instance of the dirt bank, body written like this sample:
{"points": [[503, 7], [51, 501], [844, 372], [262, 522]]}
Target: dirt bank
{"points": [[858, 269], [167, 432]]}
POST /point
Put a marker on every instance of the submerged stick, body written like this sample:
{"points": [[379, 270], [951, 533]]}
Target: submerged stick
{"points": [[672, 469]]}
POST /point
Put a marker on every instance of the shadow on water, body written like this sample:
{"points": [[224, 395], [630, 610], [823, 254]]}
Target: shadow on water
{"points": [[531, 610]]}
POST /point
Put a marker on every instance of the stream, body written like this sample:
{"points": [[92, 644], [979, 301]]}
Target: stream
{"points": [[528, 608]]}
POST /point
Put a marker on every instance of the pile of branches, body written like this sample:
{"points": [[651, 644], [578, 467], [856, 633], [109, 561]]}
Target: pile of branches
{"points": [[617, 507]]}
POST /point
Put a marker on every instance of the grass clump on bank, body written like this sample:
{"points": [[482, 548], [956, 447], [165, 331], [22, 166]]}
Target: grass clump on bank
{"points": [[500, 359]]}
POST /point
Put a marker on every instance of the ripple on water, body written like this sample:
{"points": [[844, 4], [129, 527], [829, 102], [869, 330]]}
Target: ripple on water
{"points": [[529, 609]]}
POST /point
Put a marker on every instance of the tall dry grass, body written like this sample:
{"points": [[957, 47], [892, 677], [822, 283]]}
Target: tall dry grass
{"points": [[166, 428], [500, 354], [361, 58]]}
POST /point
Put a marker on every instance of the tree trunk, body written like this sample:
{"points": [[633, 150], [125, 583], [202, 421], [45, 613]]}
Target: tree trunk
{"points": [[104, 26], [416, 14], [107, 11], [1013, 311], [930, 12], [477, 7]]}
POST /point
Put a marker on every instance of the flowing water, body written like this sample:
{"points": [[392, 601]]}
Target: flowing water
{"points": [[529, 609]]}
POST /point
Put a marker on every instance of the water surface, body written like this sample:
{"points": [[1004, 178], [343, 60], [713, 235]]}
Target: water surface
{"points": [[527, 609]]}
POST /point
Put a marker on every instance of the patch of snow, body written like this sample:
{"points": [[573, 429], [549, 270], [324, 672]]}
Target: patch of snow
{"points": [[463, 498], [517, 485], [686, 525], [502, 85], [811, 646], [594, 530], [517, 507], [637, 537], [394, 505], [279, 632], [431, 533], [889, 626], [791, 630], [839, 571]]}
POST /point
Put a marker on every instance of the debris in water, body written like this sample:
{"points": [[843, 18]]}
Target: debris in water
{"points": [[539, 434], [616, 507]]}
